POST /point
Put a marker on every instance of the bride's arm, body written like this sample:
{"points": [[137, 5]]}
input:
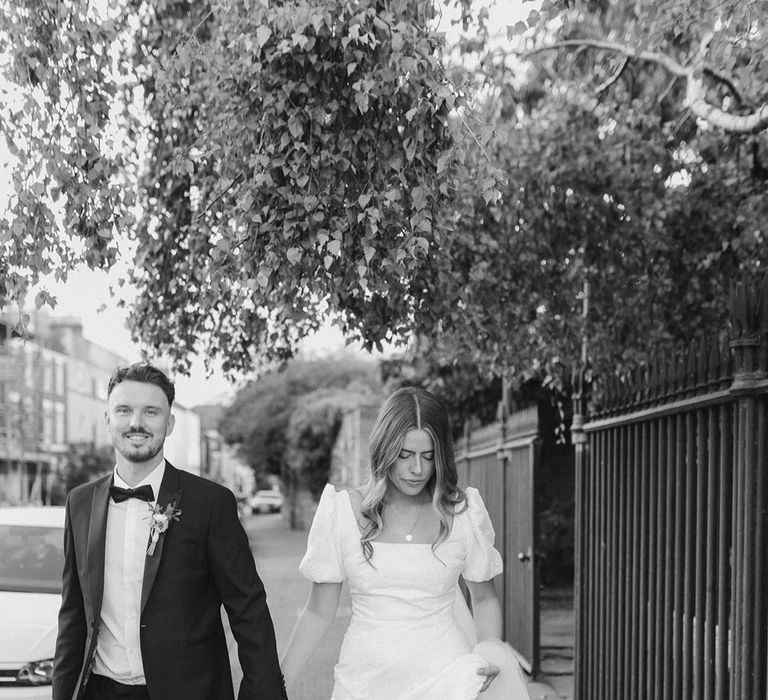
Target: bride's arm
{"points": [[314, 621], [486, 609]]}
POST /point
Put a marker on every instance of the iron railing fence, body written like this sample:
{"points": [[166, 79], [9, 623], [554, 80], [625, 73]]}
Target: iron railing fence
{"points": [[672, 522]]}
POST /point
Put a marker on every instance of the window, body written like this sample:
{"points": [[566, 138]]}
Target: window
{"points": [[49, 371], [32, 557], [61, 371], [49, 422], [60, 429]]}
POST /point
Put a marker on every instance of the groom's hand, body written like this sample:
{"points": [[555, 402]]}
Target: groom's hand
{"points": [[490, 672]]}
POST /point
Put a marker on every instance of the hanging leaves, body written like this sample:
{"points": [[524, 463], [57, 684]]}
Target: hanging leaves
{"points": [[317, 140], [61, 123]]}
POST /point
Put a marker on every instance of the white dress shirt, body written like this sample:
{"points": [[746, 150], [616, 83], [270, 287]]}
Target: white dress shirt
{"points": [[118, 651]]}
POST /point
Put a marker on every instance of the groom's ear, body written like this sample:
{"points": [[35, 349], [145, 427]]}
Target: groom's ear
{"points": [[171, 423]]}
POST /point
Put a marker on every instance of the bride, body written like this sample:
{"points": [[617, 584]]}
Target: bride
{"points": [[401, 543]]}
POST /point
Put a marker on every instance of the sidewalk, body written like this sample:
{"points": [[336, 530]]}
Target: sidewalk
{"points": [[555, 681], [278, 550]]}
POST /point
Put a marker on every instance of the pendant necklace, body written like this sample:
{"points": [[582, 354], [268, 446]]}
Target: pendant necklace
{"points": [[408, 535]]}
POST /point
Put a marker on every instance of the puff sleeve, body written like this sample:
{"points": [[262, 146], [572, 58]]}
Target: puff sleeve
{"points": [[322, 562], [483, 561]]}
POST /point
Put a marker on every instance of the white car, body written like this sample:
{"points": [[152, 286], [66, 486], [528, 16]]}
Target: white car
{"points": [[267, 501], [31, 562]]}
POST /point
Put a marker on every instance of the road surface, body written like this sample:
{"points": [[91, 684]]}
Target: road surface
{"points": [[278, 551]]}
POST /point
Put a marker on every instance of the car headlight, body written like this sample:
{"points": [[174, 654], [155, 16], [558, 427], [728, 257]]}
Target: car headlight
{"points": [[36, 673]]}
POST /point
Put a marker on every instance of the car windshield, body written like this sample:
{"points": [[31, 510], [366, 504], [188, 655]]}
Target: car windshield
{"points": [[32, 558]]}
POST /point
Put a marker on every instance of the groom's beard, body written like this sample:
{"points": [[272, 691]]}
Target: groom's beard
{"points": [[148, 447]]}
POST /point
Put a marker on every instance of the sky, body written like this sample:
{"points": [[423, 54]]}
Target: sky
{"points": [[86, 293]]}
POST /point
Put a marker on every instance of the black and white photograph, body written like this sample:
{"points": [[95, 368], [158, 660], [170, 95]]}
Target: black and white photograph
{"points": [[383, 349]]}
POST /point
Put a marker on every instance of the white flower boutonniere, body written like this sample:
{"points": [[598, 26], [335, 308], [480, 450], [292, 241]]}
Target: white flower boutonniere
{"points": [[161, 521]]}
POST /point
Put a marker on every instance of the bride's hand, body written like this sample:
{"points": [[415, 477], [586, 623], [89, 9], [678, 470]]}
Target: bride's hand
{"points": [[490, 672]]}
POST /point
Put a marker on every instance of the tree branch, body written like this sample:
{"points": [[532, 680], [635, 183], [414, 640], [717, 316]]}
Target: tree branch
{"points": [[748, 124], [616, 74], [695, 90], [725, 80], [669, 63], [220, 195], [666, 90]]}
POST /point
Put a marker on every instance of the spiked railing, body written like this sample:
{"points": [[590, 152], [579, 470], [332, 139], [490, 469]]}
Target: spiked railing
{"points": [[672, 520]]}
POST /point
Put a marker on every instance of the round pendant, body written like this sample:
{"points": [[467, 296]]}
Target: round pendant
{"points": [[408, 537]]}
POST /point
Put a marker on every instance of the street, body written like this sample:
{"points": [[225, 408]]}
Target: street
{"points": [[278, 551]]}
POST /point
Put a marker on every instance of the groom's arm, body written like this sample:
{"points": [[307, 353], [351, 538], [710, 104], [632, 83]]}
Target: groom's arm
{"points": [[245, 601], [72, 630]]}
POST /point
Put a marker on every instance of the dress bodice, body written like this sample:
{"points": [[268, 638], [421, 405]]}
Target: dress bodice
{"points": [[403, 628], [334, 553]]}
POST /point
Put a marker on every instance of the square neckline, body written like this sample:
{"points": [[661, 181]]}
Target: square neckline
{"points": [[351, 511]]}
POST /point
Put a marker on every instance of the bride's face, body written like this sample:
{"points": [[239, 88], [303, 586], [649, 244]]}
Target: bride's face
{"points": [[415, 464]]}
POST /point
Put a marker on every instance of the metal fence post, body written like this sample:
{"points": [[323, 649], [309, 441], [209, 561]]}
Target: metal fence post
{"points": [[581, 382], [749, 326]]}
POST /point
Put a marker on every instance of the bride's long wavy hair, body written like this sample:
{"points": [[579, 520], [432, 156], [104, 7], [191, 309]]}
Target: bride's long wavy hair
{"points": [[410, 408]]}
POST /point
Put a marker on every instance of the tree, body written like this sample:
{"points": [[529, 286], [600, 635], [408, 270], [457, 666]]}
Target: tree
{"points": [[61, 122], [258, 418], [599, 200], [714, 52], [301, 156], [83, 463], [312, 431], [682, 186], [298, 156], [602, 178], [307, 161]]}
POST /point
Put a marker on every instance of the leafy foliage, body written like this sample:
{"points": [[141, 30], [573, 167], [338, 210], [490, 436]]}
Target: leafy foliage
{"points": [[620, 203], [302, 153], [60, 123], [83, 463], [312, 431], [258, 419], [599, 201], [711, 54], [313, 158]]}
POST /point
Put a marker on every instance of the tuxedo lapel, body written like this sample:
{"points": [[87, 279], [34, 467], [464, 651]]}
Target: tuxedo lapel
{"points": [[170, 492], [97, 537]]}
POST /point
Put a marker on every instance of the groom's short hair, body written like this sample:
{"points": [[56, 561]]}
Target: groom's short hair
{"points": [[143, 372]]}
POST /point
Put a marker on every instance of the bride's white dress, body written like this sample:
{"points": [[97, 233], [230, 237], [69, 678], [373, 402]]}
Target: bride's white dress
{"points": [[404, 641]]}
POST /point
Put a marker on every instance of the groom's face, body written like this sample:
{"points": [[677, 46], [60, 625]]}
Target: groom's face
{"points": [[139, 419]]}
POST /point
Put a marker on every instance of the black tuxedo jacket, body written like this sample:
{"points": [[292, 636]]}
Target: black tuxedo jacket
{"points": [[201, 561]]}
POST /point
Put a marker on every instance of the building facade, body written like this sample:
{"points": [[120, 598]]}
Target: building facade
{"points": [[88, 368], [184, 446], [350, 462], [33, 418], [223, 465], [53, 394]]}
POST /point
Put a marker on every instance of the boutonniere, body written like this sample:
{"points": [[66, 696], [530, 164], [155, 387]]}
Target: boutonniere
{"points": [[161, 521]]}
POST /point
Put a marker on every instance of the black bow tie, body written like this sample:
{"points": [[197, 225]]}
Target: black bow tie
{"points": [[144, 493]]}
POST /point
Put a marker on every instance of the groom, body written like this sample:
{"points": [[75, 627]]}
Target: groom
{"points": [[151, 554]]}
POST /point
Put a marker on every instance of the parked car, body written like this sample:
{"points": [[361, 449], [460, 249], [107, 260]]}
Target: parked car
{"points": [[266, 501], [32, 558]]}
